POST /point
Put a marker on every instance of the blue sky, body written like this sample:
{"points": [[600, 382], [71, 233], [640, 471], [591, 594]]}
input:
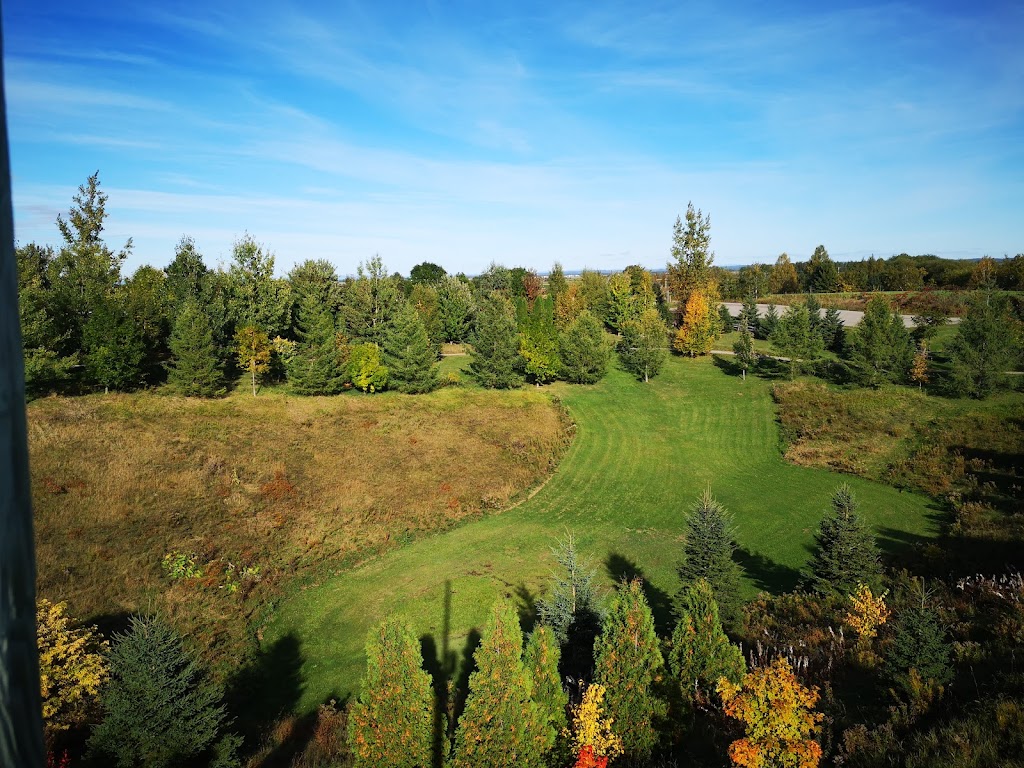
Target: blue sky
{"points": [[523, 132]]}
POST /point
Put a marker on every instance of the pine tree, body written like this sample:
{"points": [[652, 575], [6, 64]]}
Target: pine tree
{"points": [[629, 664], [495, 360], [880, 348], [984, 348], [766, 325], [408, 354], [744, 350], [701, 653], [501, 725], [571, 608], [583, 351], [642, 348], [698, 331], [541, 658], [370, 302], [113, 348], [390, 725], [833, 332], [822, 272], [319, 364], [845, 553], [194, 369], [691, 253], [726, 322], [794, 338], [160, 707], [707, 555], [455, 308], [256, 298], [749, 316], [920, 652]]}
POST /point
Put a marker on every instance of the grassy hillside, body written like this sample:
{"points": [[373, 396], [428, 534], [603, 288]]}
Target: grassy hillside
{"points": [[641, 455], [249, 491]]}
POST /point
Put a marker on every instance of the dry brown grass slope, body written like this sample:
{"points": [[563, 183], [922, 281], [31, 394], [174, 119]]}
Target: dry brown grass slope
{"points": [[276, 483]]}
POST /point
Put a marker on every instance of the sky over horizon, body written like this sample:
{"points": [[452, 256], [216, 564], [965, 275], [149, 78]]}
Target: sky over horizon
{"points": [[523, 133]]}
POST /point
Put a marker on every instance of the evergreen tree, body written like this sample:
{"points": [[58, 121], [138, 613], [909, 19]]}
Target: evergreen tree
{"points": [[538, 340], [557, 284], [150, 306], [390, 725], [194, 369], [749, 316], [726, 322], [692, 254], [583, 351], [881, 349], [845, 554], [455, 309], [316, 281], [642, 348], [822, 272], [48, 361], [984, 347], [427, 273], [814, 313], [833, 332], [424, 299], [371, 302], [256, 298], [541, 658], [701, 653], [920, 652], [707, 554], [629, 664], [495, 360], [113, 348], [501, 725], [744, 350], [187, 274], [319, 364], [571, 608], [766, 325], [160, 707], [698, 330], [408, 354], [794, 338]]}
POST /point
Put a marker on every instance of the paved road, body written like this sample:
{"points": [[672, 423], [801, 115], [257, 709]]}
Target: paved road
{"points": [[848, 316]]}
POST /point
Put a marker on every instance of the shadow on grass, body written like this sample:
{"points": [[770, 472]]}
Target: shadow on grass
{"points": [[766, 574], [621, 568], [265, 690], [727, 365], [771, 369]]}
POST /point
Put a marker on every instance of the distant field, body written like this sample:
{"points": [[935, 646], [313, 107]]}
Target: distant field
{"points": [[641, 455], [277, 484]]}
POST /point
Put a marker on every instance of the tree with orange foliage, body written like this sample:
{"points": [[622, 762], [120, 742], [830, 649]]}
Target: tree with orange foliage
{"points": [[699, 329], [919, 366], [777, 712]]}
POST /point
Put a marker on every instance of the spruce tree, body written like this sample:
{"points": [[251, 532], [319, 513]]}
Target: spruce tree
{"points": [[319, 365], [408, 354], [845, 554], [571, 608], [113, 346], [629, 664], [749, 316], [833, 332], [744, 351], [984, 348], [919, 649], [455, 309], [766, 325], [195, 368], [644, 345], [160, 708], [794, 338], [501, 725], [583, 351], [707, 555], [495, 360], [541, 658], [881, 349], [701, 653], [390, 725]]}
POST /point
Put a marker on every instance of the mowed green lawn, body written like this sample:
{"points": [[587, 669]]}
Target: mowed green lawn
{"points": [[642, 454]]}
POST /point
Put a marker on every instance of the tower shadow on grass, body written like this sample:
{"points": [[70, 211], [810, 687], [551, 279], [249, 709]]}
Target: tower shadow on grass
{"points": [[263, 691], [621, 568], [766, 574]]}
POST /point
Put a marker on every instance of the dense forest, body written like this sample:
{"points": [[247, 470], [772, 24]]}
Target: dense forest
{"points": [[862, 659]]}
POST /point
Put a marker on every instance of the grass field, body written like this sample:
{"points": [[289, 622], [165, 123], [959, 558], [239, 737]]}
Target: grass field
{"points": [[257, 490], [641, 455]]}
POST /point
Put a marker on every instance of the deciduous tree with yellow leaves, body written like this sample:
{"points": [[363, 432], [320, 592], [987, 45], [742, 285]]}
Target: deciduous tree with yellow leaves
{"points": [[777, 712], [72, 666], [593, 740], [700, 325]]}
